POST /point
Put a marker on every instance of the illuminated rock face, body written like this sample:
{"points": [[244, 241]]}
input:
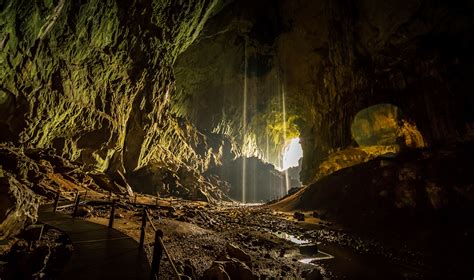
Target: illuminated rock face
{"points": [[417, 186], [18, 207], [333, 59], [376, 125], [383, 125], [93, 79]]}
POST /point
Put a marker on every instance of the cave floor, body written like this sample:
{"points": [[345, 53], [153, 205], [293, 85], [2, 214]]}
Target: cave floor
{"points": [[99, 252], [197, 233]]}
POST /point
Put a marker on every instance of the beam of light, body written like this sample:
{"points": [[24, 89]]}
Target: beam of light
{"points": [[283, 105], [292, 153], [244, 127]]}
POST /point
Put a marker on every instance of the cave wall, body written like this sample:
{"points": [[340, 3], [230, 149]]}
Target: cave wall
{"points": [[413, 54], [235, 56], [332, 59], [93, 79]]}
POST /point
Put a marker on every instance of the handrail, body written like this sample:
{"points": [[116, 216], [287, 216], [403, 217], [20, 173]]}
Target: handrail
{"points": [[178, 276], [150, 220], [147, 215]]}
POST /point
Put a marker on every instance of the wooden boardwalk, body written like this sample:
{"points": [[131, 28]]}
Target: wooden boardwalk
{"points": [[99, 252]]}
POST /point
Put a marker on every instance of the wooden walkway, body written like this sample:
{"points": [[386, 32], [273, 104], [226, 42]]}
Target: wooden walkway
{"points": [[99, 252]]}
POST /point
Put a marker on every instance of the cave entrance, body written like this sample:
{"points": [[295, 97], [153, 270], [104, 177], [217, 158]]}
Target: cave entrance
{"points": [[291, 154]]}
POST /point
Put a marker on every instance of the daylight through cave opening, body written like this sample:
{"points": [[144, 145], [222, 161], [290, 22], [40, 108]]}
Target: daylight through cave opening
{"points": [[187, 108], [292, 152]]}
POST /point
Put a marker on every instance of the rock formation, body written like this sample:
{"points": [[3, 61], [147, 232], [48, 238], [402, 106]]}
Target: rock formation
{"points": [[329, 60], [93, 79], [417, 185], [18, 207]]}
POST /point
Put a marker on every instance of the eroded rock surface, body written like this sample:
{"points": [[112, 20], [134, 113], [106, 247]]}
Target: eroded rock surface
{"points": [[93, 79], [90, 82], [329, 60], [34, 176], [418, 185], [18, 206]]}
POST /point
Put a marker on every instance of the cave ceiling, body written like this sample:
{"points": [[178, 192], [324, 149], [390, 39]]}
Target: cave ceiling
{"points": [[122, 84], [330, 59]]}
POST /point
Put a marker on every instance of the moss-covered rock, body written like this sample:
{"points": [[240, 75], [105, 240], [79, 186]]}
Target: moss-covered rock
{"points": [[93, 78]]}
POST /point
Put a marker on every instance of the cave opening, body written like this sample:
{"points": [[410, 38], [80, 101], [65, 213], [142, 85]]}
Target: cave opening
{"points": [[329, 139], [292, 152]]}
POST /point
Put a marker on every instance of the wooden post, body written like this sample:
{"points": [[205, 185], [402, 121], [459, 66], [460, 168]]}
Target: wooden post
{"points": [[76, 204], [143, 229], [157, 254], [41, 233], [56, 201], [112, 214]]}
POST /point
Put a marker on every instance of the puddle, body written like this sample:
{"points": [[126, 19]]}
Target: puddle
{"points": [[291, 238], [319, 256], [251, 204]]}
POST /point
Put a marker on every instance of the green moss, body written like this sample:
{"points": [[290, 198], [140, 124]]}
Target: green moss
{"points": [[81, 73]]}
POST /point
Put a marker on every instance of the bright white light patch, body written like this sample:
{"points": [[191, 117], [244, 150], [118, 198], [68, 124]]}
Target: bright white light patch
{"points": [[292, 153]]}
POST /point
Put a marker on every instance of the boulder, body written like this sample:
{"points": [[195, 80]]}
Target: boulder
{"points": [[298, 216], [238, 270], [216, 272], [229, 269], [235, 252], [84, 211], [18, 206], [106, 183]]}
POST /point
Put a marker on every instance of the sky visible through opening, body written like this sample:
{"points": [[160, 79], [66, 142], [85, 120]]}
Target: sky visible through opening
{"points": [[292, 153]]}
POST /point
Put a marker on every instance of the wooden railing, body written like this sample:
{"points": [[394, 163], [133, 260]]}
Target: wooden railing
{"points": [[158, 247], [76, 202]]}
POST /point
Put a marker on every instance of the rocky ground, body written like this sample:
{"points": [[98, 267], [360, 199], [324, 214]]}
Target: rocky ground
{"points": [[222, 240], [39, 252], [210, 241]]}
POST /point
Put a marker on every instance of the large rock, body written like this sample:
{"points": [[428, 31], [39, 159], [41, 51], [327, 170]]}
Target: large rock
{"points": [[235, 252], [429, 185], [216, 272], [179, 181], [232, 269], [18, 206]]}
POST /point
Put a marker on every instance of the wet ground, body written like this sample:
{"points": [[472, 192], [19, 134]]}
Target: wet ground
{"points": [[280, 247]]}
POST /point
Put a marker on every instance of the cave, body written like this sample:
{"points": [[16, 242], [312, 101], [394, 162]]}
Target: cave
{"points": [[236, 139]]}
